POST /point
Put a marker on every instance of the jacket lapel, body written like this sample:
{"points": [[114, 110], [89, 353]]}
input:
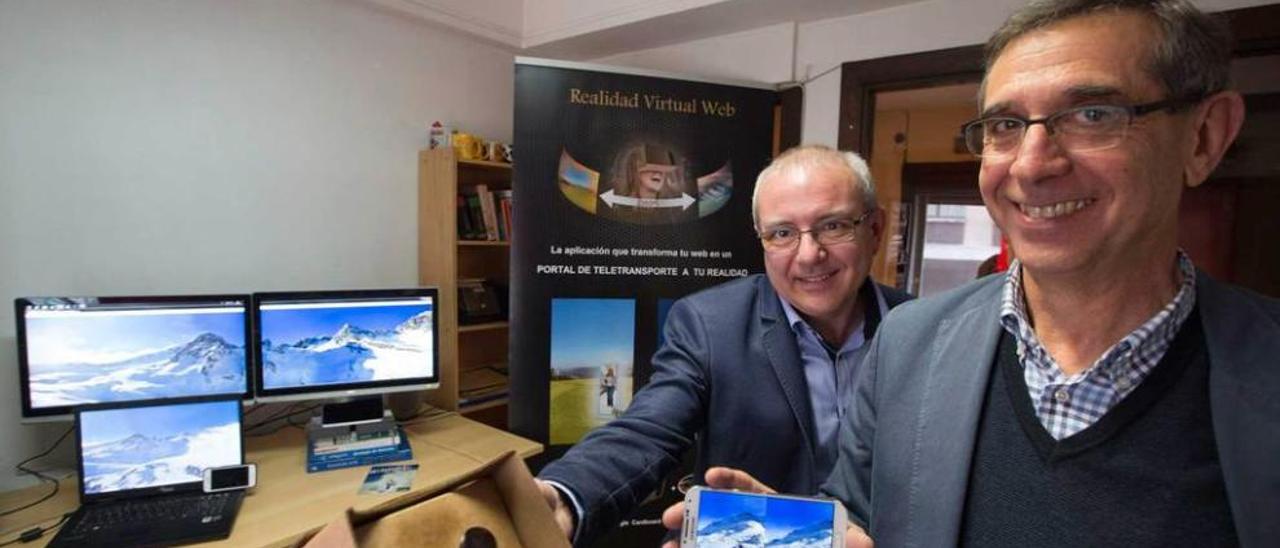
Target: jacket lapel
{"points": [[959, 362], [784, 355], [1243, 382]]}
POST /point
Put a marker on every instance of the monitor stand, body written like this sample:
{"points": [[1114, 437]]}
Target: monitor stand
{"points": [[352, 411], [353, 418]]}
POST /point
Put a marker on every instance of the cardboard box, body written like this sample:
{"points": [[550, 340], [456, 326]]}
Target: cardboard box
{"points": [[499, 496]]}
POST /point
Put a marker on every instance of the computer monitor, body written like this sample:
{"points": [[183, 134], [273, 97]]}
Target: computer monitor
{"points": [[86, 350], [339, 344], [128, 449]]}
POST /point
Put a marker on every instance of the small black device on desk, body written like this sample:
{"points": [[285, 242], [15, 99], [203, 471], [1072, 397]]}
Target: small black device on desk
{"points": [[142, 472]]}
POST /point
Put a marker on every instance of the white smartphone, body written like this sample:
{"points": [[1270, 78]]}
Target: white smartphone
{"points": [[714, 518], [230, 478]]}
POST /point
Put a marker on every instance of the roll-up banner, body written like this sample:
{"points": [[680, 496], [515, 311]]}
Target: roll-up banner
{"points": [[630, 191]]}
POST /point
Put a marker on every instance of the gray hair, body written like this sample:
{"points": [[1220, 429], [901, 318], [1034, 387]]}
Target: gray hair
{"points": [[1191, 58], [806, 157]]}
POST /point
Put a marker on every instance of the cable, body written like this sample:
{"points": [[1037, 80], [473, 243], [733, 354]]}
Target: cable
{"points": [[50, 449], [22, 467], [285, 414], [36, 532]]}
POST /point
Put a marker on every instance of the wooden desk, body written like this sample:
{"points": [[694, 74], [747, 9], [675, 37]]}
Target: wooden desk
{"points": [[288, 502]]}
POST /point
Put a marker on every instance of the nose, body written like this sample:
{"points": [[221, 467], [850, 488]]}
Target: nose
{"points": [[1038, 156], [809, 250]]}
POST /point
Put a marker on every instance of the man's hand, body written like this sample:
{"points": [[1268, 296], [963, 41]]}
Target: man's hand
{"points": [[730, 478], [855, 537], [562, 510], [717, 478]]}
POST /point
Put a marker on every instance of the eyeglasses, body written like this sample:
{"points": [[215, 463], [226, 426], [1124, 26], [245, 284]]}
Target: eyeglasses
{"points": [[828, 232], [1078, 129]]}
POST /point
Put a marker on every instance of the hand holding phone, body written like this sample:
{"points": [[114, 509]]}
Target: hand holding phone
{"points": [[729, 478], [715, 518]]}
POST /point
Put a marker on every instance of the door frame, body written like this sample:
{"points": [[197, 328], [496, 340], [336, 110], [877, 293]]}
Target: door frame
{"points": [[1256, 31]]}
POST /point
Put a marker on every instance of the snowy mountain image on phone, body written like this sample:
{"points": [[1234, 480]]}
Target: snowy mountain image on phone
{"points": [[110, 356], [155, 446], [732, 520], [344, 345]]}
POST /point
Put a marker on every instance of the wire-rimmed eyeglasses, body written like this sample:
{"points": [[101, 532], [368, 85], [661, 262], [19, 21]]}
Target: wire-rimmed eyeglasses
{"points": [[1077, 129], [831, 231]]}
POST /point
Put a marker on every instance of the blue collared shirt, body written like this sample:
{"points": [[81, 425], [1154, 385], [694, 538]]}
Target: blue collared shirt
{"points": [[831, 381], [1068, 404]]}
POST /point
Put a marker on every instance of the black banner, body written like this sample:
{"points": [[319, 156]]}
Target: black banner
{"points": [[629, 192]]}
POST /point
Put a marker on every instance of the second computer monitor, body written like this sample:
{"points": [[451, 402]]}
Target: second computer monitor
{"points": [[323, 344]]}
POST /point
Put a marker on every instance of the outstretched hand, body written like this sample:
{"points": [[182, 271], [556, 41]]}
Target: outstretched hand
{"points": [[730, 478], [559, 508]]}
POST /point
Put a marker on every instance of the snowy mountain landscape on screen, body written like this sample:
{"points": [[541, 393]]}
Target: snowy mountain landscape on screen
{"points": [[206, 364], [140, 460], [350, 355], [748, 530]]}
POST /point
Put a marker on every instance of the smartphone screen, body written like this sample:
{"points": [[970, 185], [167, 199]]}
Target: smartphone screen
{"points": [[731, 518], [229, 478]]}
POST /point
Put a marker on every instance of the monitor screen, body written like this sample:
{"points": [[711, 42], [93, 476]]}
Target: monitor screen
{"points": [[344, 343], [86, 350], [158, 444]]}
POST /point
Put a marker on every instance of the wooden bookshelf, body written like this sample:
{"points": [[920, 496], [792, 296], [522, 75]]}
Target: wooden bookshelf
{"points": [[466, 351]]}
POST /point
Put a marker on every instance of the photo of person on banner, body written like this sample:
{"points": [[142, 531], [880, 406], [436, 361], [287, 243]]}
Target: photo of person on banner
{"points": [[649, 186], [754, 371]]}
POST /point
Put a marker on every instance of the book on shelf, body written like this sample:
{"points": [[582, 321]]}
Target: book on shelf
{"points": [[488, 212], [473, 223], [482, 384], [504, 210], [466, 228]]}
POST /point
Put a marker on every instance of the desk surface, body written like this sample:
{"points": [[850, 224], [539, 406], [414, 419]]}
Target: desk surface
{"points": [[288, 502]]}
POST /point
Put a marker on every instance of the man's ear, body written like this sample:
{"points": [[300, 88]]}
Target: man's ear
{"points": [[1217, 122], [877, 220]]}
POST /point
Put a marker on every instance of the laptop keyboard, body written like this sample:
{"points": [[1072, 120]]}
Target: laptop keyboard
{"points": [[153, 510]]}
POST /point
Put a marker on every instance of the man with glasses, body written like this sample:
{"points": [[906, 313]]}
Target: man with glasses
{"points": [[1104, 392], [754, 371]]}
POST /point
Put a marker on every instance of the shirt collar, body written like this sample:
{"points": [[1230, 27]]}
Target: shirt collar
{"points": [[1158, 330]]}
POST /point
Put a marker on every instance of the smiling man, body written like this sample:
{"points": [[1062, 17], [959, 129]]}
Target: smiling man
{"points": [[1104, 392], [756, 371]]}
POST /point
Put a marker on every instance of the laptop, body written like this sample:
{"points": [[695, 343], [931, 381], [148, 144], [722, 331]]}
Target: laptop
{"points": [[142, 467]]}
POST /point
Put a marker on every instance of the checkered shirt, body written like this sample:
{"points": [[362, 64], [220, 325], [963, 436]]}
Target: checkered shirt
{"points": [[1068, 404]]}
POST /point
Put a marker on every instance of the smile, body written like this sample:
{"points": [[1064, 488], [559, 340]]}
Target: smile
{"points": [[1053, 211], [815, 279]]}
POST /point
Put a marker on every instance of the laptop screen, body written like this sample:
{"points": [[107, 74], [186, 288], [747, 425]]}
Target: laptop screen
{"points": [[144, 447]]}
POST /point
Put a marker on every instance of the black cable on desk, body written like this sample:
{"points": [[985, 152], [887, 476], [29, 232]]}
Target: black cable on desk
{"points": [[37, 532], [22, 467]]}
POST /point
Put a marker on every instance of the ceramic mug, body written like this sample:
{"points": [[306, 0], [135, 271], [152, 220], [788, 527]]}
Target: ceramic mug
{"points": [[468, 146], [493, 151]]}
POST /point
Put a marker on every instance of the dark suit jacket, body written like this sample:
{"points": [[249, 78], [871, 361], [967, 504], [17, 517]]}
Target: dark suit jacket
{"points": [[906, 450], [729, 374]]}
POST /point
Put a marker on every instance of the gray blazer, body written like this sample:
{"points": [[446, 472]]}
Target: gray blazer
{"points": [[905, 451]]}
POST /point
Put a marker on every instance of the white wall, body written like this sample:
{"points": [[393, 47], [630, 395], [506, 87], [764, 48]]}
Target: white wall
{"points": [[158, 147], [769, 49], [824, 45]]}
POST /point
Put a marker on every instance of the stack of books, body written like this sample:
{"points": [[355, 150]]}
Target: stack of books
{"points": [[357, 449], [484, 214]]}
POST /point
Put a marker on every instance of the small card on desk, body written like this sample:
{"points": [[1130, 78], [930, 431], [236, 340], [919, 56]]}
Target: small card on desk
{"points": [[388, 478]]}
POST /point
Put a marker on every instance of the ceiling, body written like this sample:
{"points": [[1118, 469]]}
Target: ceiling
{"points": [[703, 22], [591, 29]]}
